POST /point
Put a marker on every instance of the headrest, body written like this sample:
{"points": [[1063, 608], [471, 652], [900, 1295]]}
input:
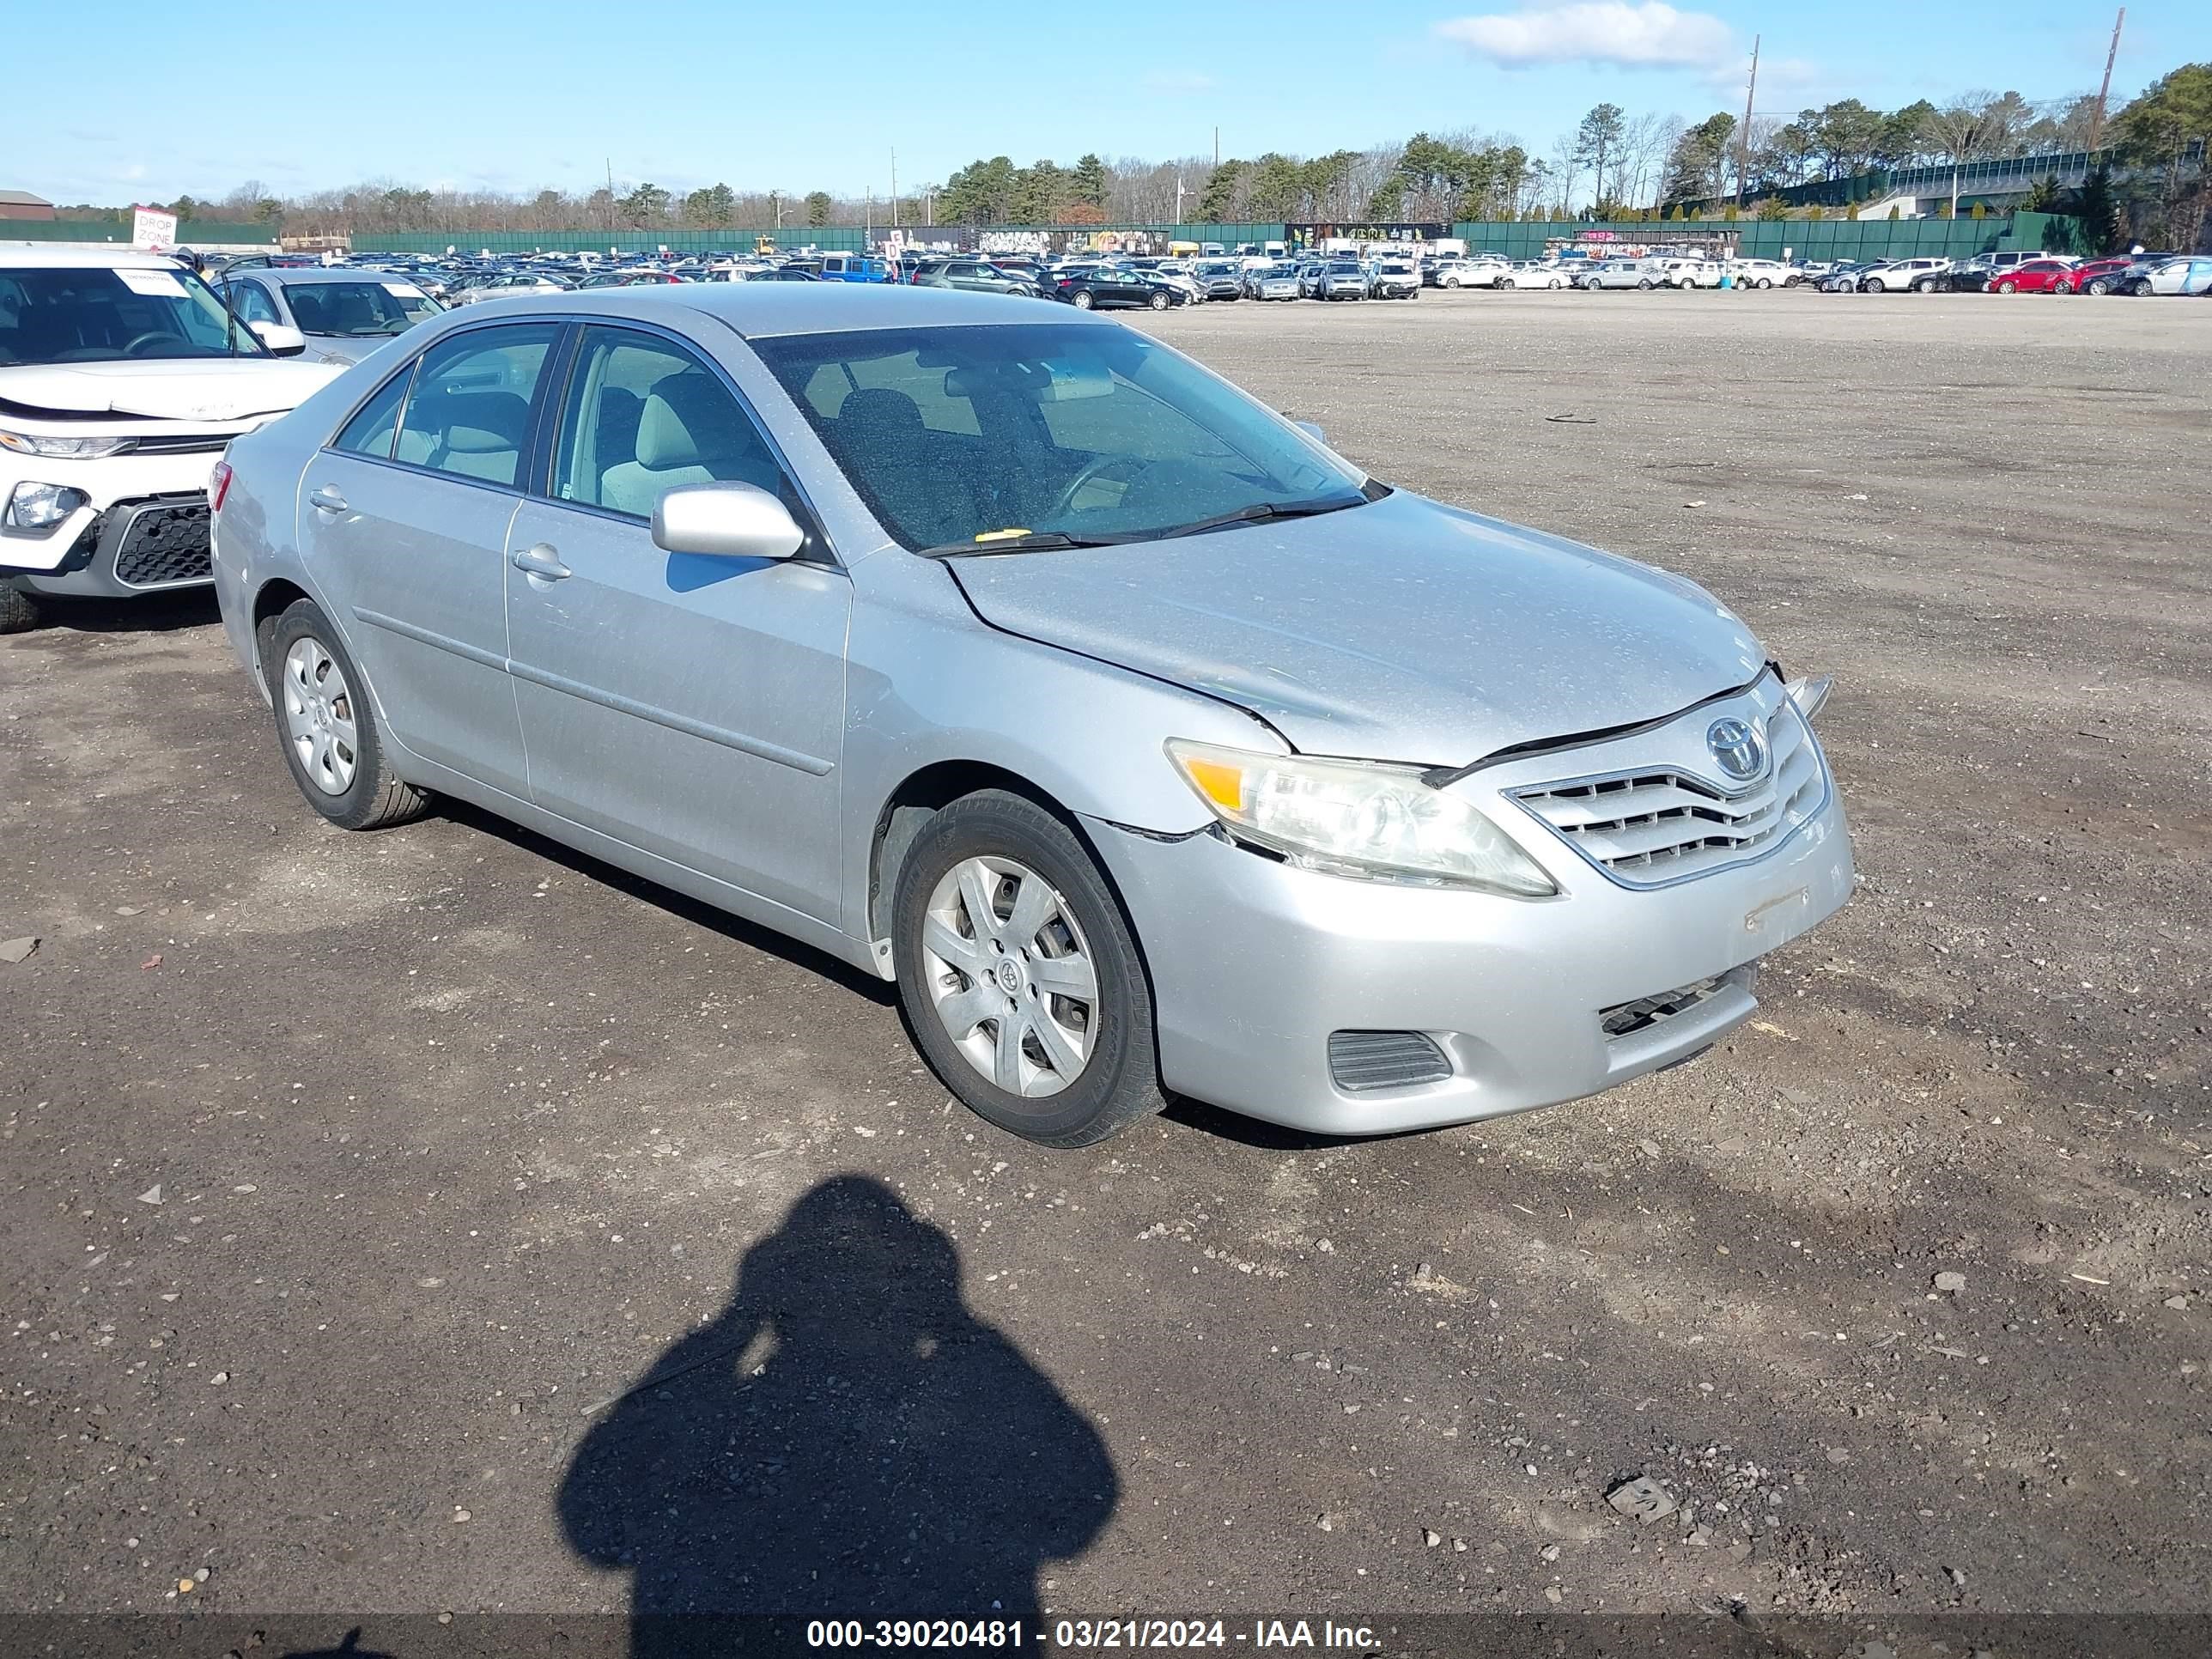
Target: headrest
{"points": [[687, 419]]}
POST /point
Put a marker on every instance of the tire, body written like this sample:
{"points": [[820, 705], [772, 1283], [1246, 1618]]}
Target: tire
{"points": [[1449, 281], [19, 611], [1009, 842], [1645, 282], [1082, 300], [1502, 281], [1159, 302], [302, 658], [1764, 282], [1925, 285], [2007, 287], [2097, 285], [1869, 287], [2062, 287]]}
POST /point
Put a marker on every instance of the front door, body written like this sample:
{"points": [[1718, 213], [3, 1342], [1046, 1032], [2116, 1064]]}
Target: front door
{"points": [[406, 518], [692, 707]]}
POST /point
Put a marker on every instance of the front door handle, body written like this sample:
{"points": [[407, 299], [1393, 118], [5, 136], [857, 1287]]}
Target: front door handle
{"points": [[327, 499], [541, 560]]}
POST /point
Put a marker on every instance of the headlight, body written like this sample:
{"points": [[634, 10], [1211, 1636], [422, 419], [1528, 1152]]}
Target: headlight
{"points": [[1357, 818], [63, 449], [42, 505]]}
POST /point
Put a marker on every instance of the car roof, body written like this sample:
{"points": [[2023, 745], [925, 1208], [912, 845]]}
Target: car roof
{"points": [[39, 255], [756, 310], [293, 277]]}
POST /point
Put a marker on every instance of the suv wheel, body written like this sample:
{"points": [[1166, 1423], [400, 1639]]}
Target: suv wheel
{"points": [[1019, 975], [2097, 285], [327, 725], [19, 611], [1159, 300], [1870, 286]]}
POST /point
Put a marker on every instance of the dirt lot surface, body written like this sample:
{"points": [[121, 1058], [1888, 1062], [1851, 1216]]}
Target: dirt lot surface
{"points": [[347, 1183]]}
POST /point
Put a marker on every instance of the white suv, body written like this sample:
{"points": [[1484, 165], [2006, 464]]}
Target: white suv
{"points": [[122, 379], [1921, 275], [1690, 273]]}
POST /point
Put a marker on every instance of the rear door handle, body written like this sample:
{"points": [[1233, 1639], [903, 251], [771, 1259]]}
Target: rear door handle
{"points": [[541, 560], [327, 499]]}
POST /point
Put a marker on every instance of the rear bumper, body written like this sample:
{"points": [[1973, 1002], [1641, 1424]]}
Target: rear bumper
{"points": [[1256, 962]]}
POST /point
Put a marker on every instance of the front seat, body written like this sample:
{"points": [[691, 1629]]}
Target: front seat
{"points": [[690, 432]]}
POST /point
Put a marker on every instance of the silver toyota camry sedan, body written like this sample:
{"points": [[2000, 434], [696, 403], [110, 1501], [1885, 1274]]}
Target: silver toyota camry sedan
{"points": [[1147, 744]]}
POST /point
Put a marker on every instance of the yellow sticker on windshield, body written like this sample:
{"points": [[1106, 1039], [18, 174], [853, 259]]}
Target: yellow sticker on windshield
{"points": [[1001, 535]]}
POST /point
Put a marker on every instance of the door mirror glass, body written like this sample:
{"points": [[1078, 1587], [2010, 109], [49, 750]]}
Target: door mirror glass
{"points": [[283, 341], [725, 520]]}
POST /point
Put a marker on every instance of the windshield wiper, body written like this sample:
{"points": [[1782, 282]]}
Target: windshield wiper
{"points": [[1035, 541], [1263, 512]]}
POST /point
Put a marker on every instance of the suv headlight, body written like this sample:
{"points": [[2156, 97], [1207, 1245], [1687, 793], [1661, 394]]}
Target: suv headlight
{"points": [[1360, 818], [63, 449]]}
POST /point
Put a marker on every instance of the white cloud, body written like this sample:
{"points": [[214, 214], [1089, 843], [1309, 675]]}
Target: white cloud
{"points": [[1178, 81], [1647, 35]]}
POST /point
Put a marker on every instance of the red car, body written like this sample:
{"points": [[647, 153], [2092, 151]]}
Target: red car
{"points": [[2100, 276], [2037, 277]]}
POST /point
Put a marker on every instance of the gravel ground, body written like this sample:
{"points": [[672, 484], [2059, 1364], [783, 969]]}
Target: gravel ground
{"points": [[351, 1183]]}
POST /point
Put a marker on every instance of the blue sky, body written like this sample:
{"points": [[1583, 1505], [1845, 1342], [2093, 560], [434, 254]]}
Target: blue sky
{"points": [[801, 96]]}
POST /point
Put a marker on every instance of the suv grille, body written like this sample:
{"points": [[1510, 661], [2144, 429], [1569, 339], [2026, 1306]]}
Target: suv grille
{"points": [[1359, 1060], [1649, 828], [165, 545]]}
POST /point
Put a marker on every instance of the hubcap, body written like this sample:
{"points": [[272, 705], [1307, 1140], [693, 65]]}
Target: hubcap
{"points": [[1010, 975], [319, 718]]}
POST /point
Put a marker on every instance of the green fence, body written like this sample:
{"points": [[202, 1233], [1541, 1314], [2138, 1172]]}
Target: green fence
{"points": [[828, 238], [190, 233], [1801, 239]]}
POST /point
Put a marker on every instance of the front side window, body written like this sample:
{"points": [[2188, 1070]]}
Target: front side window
{"points": [[105, 313], [643, 416], [468, 412], [976, 435], [359, 310], [252, 302]]}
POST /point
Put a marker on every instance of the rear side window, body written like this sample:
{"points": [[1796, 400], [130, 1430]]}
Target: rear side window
{"points": [[377, 422], [468, 412]]}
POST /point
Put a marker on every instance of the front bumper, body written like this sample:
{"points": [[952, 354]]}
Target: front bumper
{"points": [[153, 546], [1256, 962]]}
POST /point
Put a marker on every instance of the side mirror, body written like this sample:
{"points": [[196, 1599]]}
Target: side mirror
{"points": [[283, 341], [1312, 430], [725, 521]]}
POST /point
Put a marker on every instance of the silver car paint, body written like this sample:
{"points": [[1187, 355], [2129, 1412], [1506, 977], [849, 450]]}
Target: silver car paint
{"points": [[327, 348], [766, 791]]}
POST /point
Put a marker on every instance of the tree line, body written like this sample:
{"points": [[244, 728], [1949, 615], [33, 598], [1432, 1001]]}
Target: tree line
{"points": [[1611, 164]]}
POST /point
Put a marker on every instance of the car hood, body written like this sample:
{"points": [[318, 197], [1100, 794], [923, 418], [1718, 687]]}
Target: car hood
{"points": [[1401, 630], [199, 389]]}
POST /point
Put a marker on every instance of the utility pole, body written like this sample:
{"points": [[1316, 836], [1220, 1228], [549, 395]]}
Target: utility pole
{"points": [[1743, 138], [2097, 115], [610, 191], [1179, 194], [1216, 147], [895, 224]]}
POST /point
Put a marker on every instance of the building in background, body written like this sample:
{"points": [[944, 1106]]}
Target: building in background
{"points": [[21, 205]]}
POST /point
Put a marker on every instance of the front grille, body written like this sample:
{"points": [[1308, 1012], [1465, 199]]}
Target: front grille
{"points": [[1649, 828], [1360, 1060], [198, 443], [162, 546], [1626, 1018]]}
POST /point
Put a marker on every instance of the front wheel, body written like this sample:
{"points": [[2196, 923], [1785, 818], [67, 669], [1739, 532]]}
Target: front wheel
{"points": [[2007, 287], [1083, 300], [1869, 287], [1019, 975], [1764, 282], [1159, 302], [2097, 285], [2062, 287], [1927, 285], [19, 611], [326, 723], [1644, 283]]}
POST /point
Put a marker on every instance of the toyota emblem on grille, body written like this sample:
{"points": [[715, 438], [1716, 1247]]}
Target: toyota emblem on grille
{"points": [[1738, 746]]}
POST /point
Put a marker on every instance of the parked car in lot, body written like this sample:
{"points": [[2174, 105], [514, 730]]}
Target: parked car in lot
{"points": [[1340, 279], [1842, 277], [1764, 273], [510, 285], [122, 377], [342, 314], [1896, 275], [1394, 279], [2180, 276], [1145, 744], [1220, 279], [1690, 273], [1275, 281], [631, 278], [1536, 273], [2037, 277], [1621, 273], [1099, 288], [973, 276], [2100, 276]]}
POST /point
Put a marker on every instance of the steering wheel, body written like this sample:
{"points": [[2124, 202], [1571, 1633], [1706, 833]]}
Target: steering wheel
{"points": [[1097, 468], [151, 336]]}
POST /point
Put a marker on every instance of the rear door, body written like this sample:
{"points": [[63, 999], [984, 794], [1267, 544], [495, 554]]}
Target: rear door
{"points": [[404, 518], [691, 707]]}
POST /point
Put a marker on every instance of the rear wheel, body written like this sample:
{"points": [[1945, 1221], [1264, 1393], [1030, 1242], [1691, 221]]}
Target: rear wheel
{"points": [[1083, 300], [1645, 282], [19, 611], [1019, 975], [1764, 282], [2096, 285], [327, 725], [2061, 286], [1926, 285], [1159, 302]]}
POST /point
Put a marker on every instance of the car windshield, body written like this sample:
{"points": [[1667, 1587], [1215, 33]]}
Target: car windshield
{"points": [[977, 437], [103, 313], [358, 309]]}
